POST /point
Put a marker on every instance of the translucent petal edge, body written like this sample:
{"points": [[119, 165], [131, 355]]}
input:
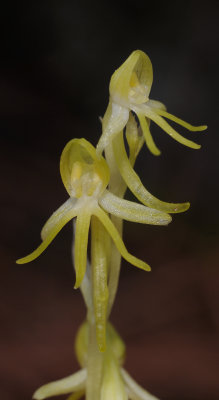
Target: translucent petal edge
{"points": [[133, 211], [66, 385]]}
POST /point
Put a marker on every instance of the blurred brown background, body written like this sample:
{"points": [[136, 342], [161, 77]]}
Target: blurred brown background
{"points": [[56, 61]]}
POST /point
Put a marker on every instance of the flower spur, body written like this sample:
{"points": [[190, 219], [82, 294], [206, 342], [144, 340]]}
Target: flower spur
{"points": [[85, 177], [129, 89]]}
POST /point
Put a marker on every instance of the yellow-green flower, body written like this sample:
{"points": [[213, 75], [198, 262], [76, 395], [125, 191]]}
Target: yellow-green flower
{"points": [[129, 89], [115, 382], [85, 177]]}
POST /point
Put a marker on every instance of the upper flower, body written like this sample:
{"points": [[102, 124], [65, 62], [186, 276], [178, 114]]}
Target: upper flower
{"points": [[129, 89]]}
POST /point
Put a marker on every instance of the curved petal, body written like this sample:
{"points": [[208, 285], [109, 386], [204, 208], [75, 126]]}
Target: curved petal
{"points": [[147, 135], [114, 120], [155, 104], [81, 344], [180, 121], [103, 217], [132, 211], [99, 275], [133, 79], [116, 344], [135, 185], [66, 385], [56, 217], [168, 129], [81, 242], [86, 287], [76, 396], [135, 138], [112, 387], [53, 232], [79, 159], [135, 391], [114, 265]]}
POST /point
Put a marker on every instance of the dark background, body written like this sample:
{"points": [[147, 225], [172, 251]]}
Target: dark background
{"points": [[56, 61]]}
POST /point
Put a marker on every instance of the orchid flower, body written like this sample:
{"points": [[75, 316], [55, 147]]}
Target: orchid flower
{"points": [[85, 177], [116, 383], [129, 89]]}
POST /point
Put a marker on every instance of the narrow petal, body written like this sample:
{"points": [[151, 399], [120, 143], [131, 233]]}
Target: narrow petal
{"points": [[168, 129], [132, 211], [56, 217], [156, 105], [66, 385], [115, 265], [112, 387], [86, 287], [135, 391], [53, 232], [114, 121], [81, 242], [180, 121], [103, 217], [116, 183], [135, 185], [134, 138], [76, 396], [99, 279], [147, 134]]}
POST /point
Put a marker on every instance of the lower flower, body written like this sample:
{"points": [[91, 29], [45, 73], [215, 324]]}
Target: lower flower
{"points": [[116, 383]]}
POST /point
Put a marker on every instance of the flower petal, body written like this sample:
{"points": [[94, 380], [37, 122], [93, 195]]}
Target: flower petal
{"points": [[66, 385], [132, 211], [147, 134], [117, 346], [114, 265], [135, 185], [81, 344], [76, 396], [135, 73], [103, 217], [79, 158], [134, 138], [180, 121], [112, 387], [56, 217], [135, 391], [168, 129], [81, 242], [156, 105], [86, 287], [114, 120], [53, 232], [99, 279]]}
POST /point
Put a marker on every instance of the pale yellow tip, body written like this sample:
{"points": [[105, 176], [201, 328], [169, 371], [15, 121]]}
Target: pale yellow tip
{"points": [[20, 261]]}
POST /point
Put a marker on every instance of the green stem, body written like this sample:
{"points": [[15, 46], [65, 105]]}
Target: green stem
{"points": [[94, 364], [118, 187], [94, 356], [115, 265]]}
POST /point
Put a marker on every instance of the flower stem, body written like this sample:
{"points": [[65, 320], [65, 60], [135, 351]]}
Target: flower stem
{"points": [[94, 365]]}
